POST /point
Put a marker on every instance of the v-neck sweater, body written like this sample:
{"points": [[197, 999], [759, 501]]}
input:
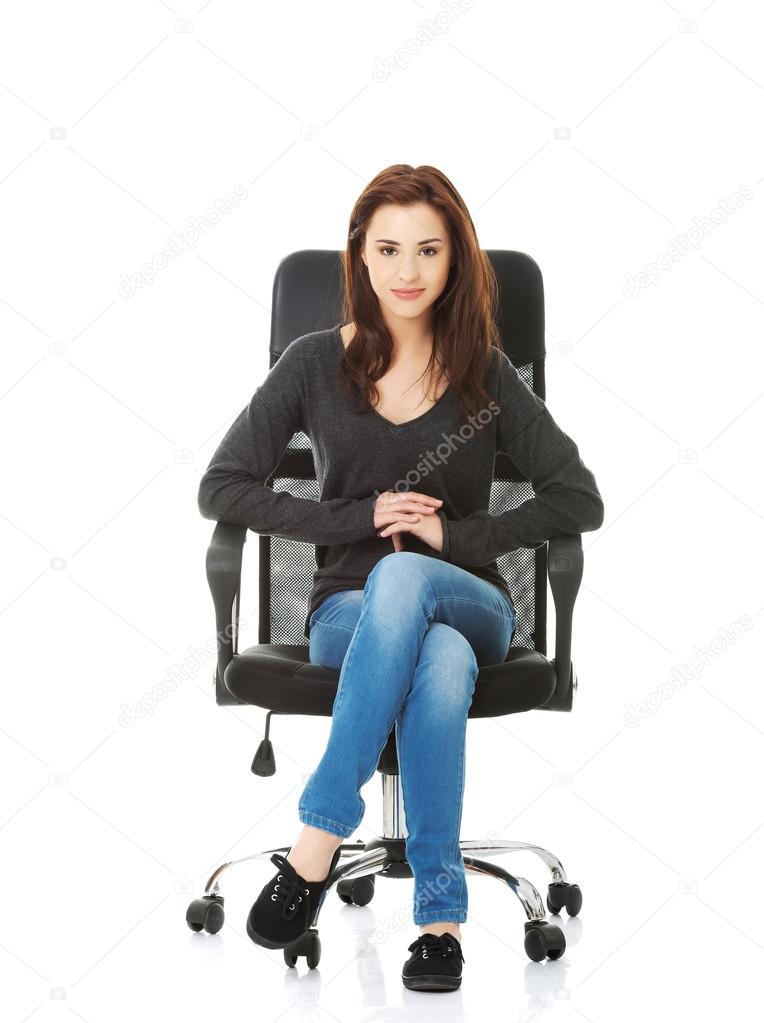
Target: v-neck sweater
{"points": [[358, 455]]}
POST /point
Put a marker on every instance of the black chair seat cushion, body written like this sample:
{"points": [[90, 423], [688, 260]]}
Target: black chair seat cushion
{"points": [[280, 677]]}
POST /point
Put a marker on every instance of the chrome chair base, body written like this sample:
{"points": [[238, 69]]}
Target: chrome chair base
{"points": [[386, 856]]}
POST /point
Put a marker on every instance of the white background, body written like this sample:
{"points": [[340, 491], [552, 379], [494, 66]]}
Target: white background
{"points": [[606, 140]]}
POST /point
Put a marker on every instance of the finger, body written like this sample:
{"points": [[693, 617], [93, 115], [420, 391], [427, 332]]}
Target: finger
{"points": [[399, 517], [414, 495], [390, 527], [426, 506], [402, 511], [402, 516], [400, 500]]}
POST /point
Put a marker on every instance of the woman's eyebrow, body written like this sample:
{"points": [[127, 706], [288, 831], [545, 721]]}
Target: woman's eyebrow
{"points": [[388, 241]]}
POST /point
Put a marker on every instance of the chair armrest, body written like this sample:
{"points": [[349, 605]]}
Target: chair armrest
{"points": [[565, 565], [224, 558]]}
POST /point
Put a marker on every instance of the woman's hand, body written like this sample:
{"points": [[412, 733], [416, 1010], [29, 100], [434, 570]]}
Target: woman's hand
{"points": [[427, 527], [409, 512], [406, 507]]}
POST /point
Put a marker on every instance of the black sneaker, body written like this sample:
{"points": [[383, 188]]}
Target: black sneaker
{"points": [[435, 963], [288, 905]]}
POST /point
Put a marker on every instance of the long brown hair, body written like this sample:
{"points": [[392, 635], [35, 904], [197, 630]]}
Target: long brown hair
{"points": [[463, 316]]}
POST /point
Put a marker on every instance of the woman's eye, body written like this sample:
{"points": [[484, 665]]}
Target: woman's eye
{"points": [[426, 248]]}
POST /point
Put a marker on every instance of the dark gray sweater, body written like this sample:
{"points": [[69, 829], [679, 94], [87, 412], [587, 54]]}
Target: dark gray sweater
{"points": [[359, 455]]}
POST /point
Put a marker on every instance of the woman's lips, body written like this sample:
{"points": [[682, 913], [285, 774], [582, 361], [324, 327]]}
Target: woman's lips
{"points": [[408, 295]]}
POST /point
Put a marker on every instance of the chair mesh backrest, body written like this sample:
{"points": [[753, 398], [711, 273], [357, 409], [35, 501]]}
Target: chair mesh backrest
{"points": [[287, 566]]}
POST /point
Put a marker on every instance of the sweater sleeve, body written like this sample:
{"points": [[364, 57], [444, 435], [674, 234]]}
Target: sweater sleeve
{"points": [[233, 487], [566, 502]]}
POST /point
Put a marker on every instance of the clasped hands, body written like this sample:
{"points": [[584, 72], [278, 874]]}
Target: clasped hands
{"points": [[410, 512]]}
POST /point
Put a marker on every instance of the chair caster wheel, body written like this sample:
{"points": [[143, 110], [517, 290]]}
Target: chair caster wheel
{"points": [[206, 914], [358, 891], [309, 945], [560, 893], [543, 939]]}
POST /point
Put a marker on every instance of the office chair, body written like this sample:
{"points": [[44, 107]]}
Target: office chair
{"points": [[276, 674]]}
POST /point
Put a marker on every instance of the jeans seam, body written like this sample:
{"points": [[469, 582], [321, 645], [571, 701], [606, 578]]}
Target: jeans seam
{"points": [[428, 915], [329, 820], [331, 625], [476, 603], [459, 823]]}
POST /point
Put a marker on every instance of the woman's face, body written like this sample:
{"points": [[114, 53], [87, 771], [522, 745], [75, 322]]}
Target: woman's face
{"points": [[405, 248]]}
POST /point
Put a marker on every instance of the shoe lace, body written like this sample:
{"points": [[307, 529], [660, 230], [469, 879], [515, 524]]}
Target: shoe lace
{"points": [[289, 891], [430, 945]]}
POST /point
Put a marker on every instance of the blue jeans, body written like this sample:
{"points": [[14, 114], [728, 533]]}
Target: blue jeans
{"points": [[409, 646]]}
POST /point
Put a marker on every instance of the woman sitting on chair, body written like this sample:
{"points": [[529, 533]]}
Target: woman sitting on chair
{"points": [[406, 403]]}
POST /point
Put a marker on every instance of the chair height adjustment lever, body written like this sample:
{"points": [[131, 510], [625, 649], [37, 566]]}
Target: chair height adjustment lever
{"points": [[264, 763]]}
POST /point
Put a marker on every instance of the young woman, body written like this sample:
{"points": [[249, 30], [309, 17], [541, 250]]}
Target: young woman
{"points": [[407, 400]]}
